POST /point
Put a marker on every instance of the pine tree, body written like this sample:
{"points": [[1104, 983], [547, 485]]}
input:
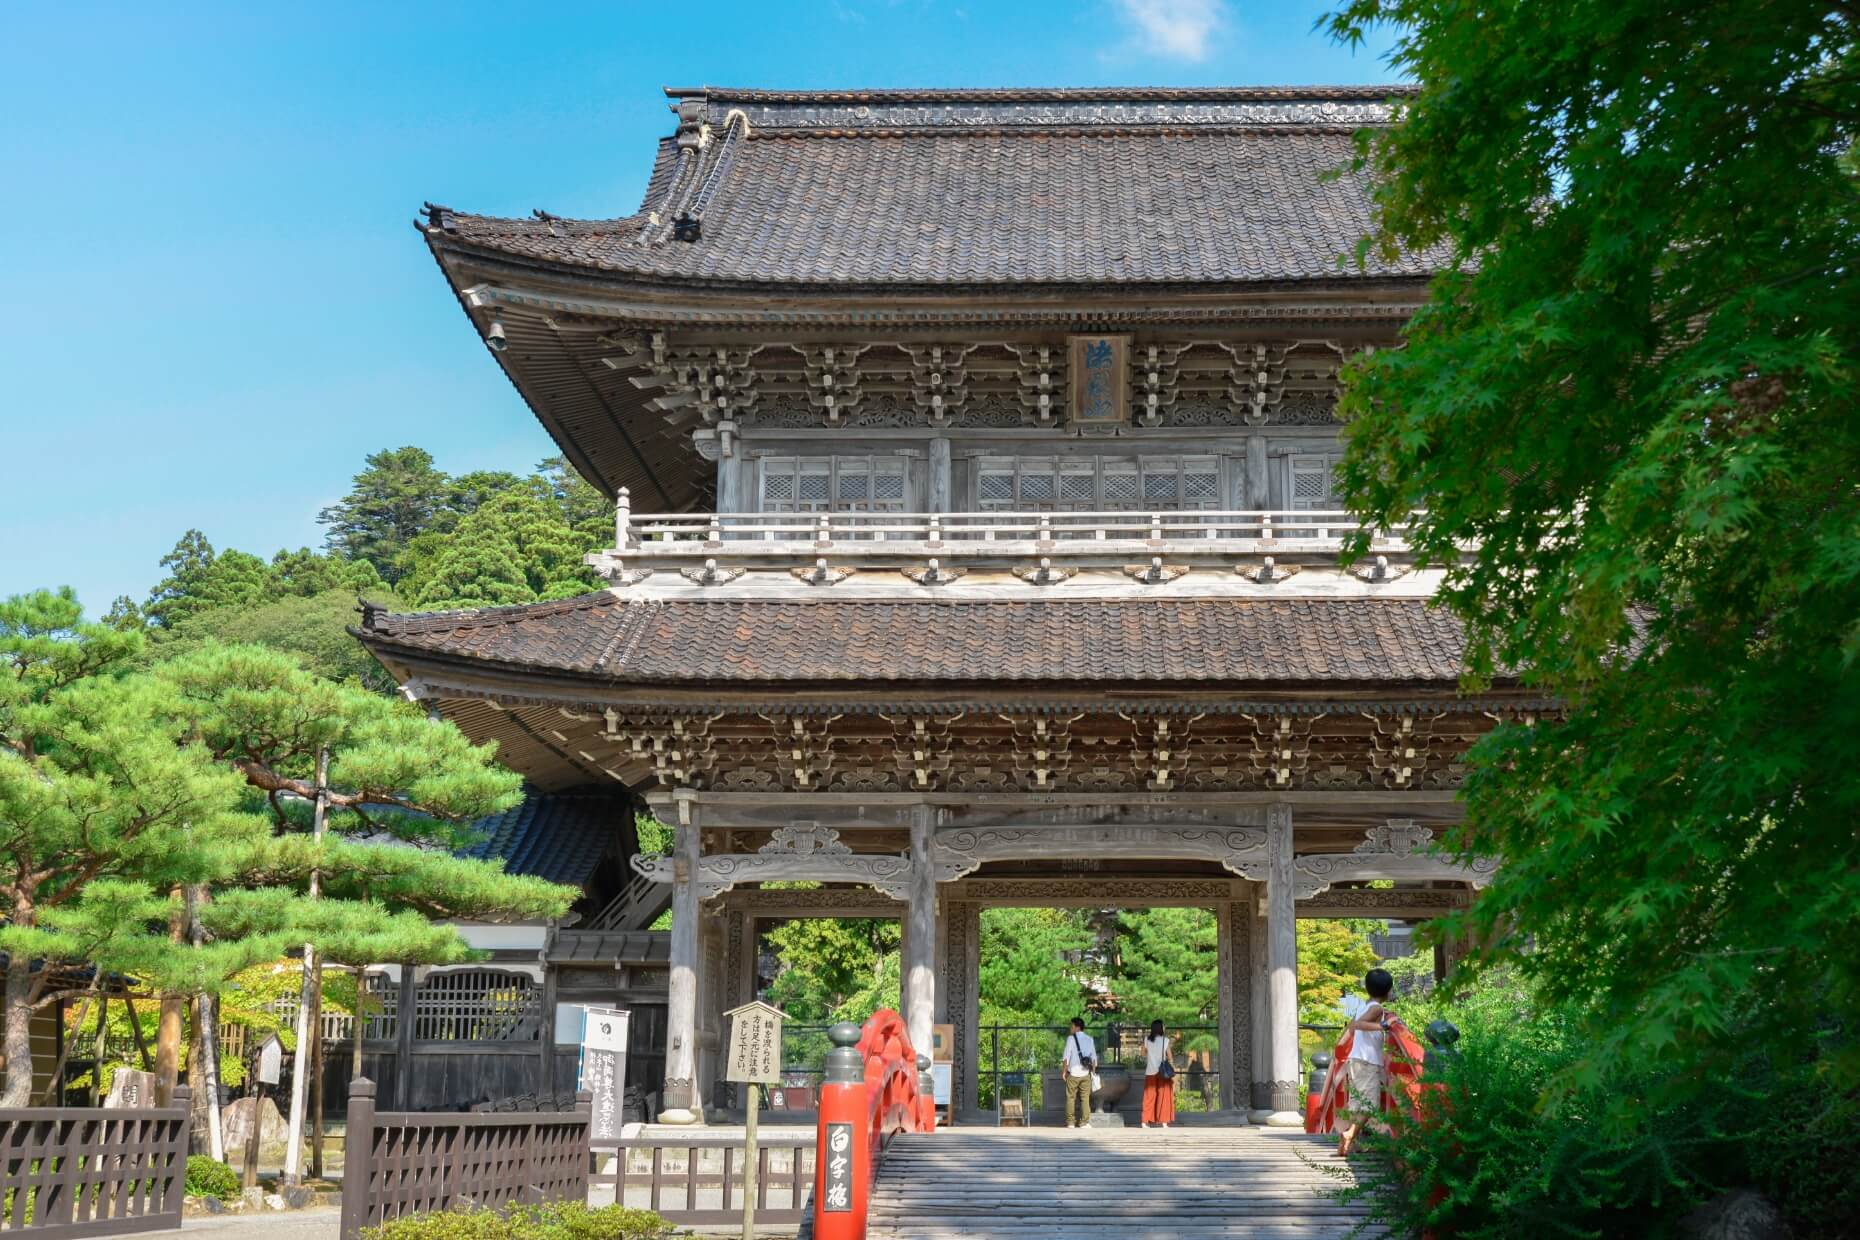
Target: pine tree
{"points": [[393, 500], [200, 579], [1170, 968], [98, 782], [360, 764], [516, 548]]}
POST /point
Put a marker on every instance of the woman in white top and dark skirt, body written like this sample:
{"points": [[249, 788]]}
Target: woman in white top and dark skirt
{"points": [[1158, 1079]]}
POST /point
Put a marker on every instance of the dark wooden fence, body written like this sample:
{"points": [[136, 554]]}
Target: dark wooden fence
{"points": [[698, 1181], [93, 1171], [416, 1162]]}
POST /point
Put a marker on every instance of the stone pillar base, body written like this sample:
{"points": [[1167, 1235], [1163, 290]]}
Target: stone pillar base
{"points": [[1259, 1115], [680, 1115], [1284, 1119]]}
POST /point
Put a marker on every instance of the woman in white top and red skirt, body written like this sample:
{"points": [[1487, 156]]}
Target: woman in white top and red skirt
{"points": [[1158, 1088], [1376, 1068]]}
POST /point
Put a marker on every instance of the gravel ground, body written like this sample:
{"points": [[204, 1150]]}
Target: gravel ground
{"points": [[322, 1223]]}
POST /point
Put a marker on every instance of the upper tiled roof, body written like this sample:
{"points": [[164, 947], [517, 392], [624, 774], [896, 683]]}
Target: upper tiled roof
{"points": [[888, 188], [605, 639], [559, 836]]}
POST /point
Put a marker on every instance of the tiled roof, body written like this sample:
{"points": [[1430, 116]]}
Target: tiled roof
{"points": [[559, 836], [988, 187], [606, 639]]}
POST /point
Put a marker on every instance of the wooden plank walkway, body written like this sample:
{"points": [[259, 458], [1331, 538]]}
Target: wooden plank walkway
{"points": [[1119, 1184]]}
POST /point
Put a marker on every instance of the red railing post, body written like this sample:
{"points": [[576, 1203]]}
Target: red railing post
{"points": [[873, 1088], [842, 1160]]}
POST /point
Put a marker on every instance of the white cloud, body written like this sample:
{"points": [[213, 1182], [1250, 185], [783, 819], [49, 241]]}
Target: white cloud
{"points": [[1176, 28]]}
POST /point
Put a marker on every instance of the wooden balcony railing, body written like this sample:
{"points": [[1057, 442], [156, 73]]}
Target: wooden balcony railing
{"points": [[852, 539]]}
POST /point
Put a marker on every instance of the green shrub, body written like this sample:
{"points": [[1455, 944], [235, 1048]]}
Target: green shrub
{"points": [[561, 1220], [209, 1177], [1624, 1154]]}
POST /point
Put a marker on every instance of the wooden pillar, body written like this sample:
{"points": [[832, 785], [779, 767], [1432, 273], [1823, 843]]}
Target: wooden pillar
{"points": [[1231, 1011], [941, 488], [403, 1038], [920, 933], [1282, 964], [545, 1075], [1259, 1101], [959, 1005], [971, 965], [730, 479], [710, 1008], [1258, 493], [681, 1104]]}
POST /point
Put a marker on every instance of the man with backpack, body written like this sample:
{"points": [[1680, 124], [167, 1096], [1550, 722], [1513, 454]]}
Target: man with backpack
{"points": [[1078, 1066]]}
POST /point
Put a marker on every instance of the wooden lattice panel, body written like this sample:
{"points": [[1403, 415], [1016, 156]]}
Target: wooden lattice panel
{"points": [[70, 1171], [477, 1005]]}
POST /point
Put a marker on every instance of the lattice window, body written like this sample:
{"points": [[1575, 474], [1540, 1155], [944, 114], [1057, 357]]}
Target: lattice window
{"points": [[1097, 484], [380, 998], [834, 484], [1312, 483], [477, 1005]]}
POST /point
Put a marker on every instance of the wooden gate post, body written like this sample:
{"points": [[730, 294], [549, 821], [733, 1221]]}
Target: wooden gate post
{"points": [[358, 1141], [842, 1157]]}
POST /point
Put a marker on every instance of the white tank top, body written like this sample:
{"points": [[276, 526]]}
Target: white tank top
{"points": [[1367, 1046]]}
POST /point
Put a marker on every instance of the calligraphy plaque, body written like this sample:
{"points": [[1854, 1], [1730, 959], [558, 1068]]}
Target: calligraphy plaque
{"points": [[836, 1197], [604, 1034], [1099, 370], [755, 1044]]}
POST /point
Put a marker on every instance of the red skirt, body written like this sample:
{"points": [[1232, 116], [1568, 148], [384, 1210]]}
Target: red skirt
{"points": [[1158, 1100]]}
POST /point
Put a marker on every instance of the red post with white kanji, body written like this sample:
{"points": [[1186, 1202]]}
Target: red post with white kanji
{"points": [[842, 1160]]}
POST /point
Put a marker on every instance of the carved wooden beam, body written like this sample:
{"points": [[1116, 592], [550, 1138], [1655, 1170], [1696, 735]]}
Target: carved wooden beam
{"points": [[963, 850], [1401, 850]]}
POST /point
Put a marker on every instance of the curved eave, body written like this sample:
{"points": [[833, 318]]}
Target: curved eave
{"points": [[836, 298], [424, 674], [555, 318]]}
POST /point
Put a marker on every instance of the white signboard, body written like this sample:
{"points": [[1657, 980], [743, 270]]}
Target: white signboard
{"points": [[605, 1029], [603, 1070], [270, 1060], [940, 1076], [755, 1044]]}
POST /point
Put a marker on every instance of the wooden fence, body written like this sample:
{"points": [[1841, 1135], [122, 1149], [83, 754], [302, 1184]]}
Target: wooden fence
{"points": [[416, 1162], [698, 1181], [83, 1171]]}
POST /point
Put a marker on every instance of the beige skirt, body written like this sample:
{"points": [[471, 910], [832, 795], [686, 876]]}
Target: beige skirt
{"points": [[1365, 1092]]}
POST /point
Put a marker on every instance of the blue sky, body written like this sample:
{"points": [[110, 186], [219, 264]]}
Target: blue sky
{"points": [[217, 305]]}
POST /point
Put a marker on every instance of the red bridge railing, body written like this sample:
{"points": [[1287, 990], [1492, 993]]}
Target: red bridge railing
{"points": [[876, 1085]]}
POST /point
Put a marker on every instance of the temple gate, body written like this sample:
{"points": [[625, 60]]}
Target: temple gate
{"points": [[975, 539]]}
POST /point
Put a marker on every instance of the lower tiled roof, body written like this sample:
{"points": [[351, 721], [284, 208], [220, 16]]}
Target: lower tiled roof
{"points": [[559, 836], [606, 638]]}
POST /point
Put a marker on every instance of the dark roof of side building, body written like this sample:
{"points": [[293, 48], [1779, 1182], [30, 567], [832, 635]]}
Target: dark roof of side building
{"points": [[1204, 641], [965, 188], [559, 836]]}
